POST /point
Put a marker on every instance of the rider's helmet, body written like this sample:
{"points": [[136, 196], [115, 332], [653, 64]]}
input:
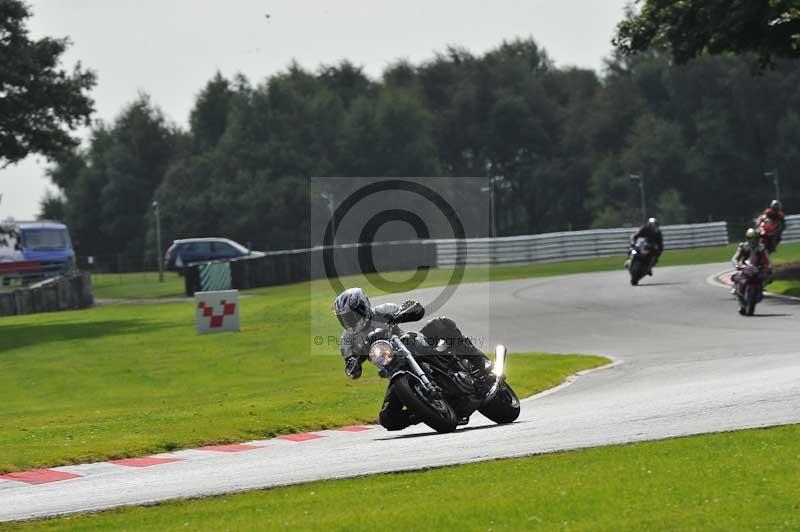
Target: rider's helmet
{"points": [[776, 206], [353, 310], [652, 223], [751, 236]]}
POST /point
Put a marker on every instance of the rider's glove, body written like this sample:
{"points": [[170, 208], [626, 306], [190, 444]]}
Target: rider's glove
{"points": [[353, 367]]}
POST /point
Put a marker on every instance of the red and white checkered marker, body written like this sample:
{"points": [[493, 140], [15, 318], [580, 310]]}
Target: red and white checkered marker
{"points": [[217, 311]]}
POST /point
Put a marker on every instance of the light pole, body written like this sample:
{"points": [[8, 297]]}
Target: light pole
{"points": [[776, 181], [640, 179], [158, 243], [491, 188], [328, 196]]}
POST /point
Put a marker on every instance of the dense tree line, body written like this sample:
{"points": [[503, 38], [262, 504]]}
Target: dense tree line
{"points": [[565, 140]]}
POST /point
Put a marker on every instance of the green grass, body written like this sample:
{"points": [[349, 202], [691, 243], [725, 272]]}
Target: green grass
{"points": [[126, 380], [136, 285], [785, 287], [791, 287], [743, 480], [787, 252]]}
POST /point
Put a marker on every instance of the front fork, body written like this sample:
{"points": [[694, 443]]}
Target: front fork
{"points": [[412, 362]]}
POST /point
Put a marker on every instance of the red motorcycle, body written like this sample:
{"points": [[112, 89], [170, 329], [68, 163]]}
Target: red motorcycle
{"points": [[768, 232], [749, 288]]}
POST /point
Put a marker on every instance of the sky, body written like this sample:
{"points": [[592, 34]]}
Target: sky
{"points": [[171, 48]]}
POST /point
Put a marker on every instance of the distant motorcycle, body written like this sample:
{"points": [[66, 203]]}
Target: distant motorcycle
{"points": [[438, 387], [768, 231], [640, 259], [749, 288]]}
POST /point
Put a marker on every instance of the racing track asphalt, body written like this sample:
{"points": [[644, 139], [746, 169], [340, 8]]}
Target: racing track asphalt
{"points": [[690, 364]]}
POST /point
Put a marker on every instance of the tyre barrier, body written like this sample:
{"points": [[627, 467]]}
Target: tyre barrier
{"points": [[71, 291]]}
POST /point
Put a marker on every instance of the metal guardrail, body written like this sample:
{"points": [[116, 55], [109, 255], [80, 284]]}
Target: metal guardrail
{"points": [[792, 231], [298, 265], [552, 247]]}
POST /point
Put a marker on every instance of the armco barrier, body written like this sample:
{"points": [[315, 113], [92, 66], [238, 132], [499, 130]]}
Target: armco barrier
{"points": [[294, 266], [70, 291], [792, 231], [572, 245]]}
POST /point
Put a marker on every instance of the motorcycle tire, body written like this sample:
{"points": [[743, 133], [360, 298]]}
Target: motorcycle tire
{"points": [[435, 413], [635, 269], [504, 406], [750, 300]]}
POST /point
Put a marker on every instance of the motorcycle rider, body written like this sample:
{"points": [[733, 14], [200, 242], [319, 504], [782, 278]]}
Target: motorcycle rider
{"points": [[774, 212], [753, 250], [651, 232], [359, 318]]}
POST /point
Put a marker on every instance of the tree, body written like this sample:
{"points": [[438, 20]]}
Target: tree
{"points": [[209, 117], [52, 207], [687, 29], [670, 209], [109, 187], [40, 104]]}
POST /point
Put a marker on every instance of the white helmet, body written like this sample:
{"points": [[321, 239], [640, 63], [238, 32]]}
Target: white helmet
{"points": [[353, 310]]}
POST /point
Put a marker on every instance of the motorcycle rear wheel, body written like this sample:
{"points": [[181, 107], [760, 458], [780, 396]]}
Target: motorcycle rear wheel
{"points": [[504, 406], [435, 413]]}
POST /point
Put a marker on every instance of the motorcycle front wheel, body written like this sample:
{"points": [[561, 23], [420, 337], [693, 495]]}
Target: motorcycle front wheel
{"points": [[434, 412], [504, 406], [635, 270], [751, 299]]}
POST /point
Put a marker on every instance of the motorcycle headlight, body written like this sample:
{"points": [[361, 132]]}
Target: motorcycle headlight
{"points": [[381, 353]]}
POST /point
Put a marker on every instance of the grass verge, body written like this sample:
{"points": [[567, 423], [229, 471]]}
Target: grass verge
{"points": [[785, 287], [143, 285], [742, 480]]}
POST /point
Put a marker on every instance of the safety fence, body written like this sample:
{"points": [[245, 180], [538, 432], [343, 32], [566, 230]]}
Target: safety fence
{"points": [[571, 245], [792, 232], [299, 265], [292, 266]]}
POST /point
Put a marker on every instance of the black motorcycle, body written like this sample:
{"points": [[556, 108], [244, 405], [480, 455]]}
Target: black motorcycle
{"points": [[749, 288], [437, 386], [640, 259]]}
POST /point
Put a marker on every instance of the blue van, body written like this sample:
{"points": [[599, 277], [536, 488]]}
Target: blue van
{"points": [[47, 243]]}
